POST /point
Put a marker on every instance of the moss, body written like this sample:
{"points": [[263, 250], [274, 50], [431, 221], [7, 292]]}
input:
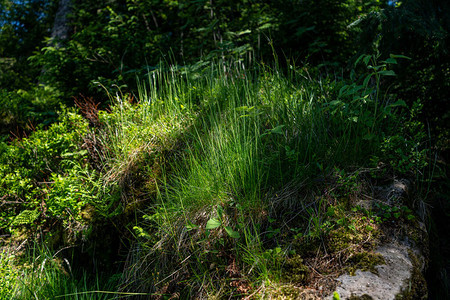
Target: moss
{"points": [[365, 261], [88, 213], [417, 233], [340, 239], [305, 246], [294, 270], [354, 230], [288, 292], [417, 285]]}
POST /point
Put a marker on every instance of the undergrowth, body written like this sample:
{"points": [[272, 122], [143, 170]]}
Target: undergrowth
{"points": [[223, 183]]}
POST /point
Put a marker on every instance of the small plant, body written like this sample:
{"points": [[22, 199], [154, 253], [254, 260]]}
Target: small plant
{"points": [[214, 223], [336, 296], [389, 213]]}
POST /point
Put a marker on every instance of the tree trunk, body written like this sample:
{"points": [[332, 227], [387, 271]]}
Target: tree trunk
{"points": [[60, 30], [61, 26]]}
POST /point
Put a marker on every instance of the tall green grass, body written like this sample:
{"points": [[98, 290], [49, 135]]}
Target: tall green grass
{"points": [[213, 167], [251, 144], [40, 274]]}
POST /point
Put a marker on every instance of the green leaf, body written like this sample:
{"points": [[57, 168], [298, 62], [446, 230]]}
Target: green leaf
{"points": [[243, 32], [336, 296], [398, 103], [341, 91], [265, 26], [213, 223], [220, 212], [390, 61], [361, 57], [232, 233], [399, 56], [366, 59], [26, 217], [387, 73], [366, 80], [278, 129], [302, 30], [191, 226], [330, 211], [243, 108], [336, 102]]}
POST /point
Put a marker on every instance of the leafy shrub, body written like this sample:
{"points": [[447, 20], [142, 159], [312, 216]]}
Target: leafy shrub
{"points": [[33, 167], [9, 276], [21, 110]]}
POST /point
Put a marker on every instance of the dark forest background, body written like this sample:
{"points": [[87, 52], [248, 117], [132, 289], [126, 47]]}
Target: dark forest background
{"points": [[52, 51]]}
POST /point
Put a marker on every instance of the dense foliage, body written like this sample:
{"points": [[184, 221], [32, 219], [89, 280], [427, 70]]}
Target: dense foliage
{"points": [[211, 148], [112, 42]]}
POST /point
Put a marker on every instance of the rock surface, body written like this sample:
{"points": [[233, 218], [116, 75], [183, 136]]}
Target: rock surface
{"points": [[405, 253], [393, 278]]}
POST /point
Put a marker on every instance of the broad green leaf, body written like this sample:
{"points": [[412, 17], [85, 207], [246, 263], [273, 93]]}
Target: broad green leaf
{"points": [[232, 233], [391, 61], [213, 223], [336, 102], [242, 108], [265, 26], [358, 60], [387, 73], [366, 80], [341, 91], [354, 90], [278, 129]]}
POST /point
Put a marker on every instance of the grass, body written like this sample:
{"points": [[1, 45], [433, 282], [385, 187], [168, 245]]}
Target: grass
{"points": [[253, 146], [44, 275], [219, 175]]}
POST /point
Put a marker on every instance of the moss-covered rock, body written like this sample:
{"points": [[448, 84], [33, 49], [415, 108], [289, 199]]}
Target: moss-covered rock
{"points": [[365, 261], [416, 286]]}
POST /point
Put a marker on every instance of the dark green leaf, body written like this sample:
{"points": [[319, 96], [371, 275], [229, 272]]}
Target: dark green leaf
{"points": [[387, 73], [278, 129]]}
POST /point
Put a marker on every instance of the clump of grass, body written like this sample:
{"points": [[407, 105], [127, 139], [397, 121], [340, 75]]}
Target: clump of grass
{"points": [[39, 274], [221, 174], [249, 136]]}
